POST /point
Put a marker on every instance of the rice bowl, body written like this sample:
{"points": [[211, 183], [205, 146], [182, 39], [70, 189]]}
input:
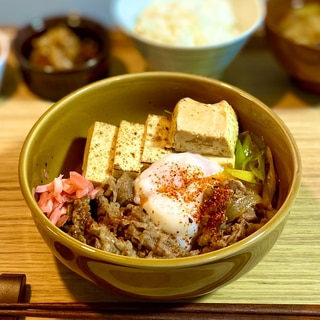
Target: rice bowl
{"points": [[151, 279]]}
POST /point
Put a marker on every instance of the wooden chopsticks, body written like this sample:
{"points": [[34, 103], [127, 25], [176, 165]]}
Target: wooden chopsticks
{"points": [[12, 289], [160, 311]]}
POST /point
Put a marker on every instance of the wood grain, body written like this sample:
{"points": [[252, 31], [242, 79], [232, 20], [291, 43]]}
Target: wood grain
{"points": [[157, 311], [289, 274]]}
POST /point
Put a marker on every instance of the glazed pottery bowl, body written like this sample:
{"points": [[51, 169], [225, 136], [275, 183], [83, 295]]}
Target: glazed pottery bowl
{"points": [[208, 60], [299, 59], [52, 83], [47, 153]]}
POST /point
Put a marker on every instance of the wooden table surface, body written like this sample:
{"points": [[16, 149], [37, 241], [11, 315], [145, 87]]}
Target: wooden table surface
{"points": [[290, 273]]}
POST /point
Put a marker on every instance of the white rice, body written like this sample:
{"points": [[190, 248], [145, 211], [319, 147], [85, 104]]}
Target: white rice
{"points": [[188, 22]]}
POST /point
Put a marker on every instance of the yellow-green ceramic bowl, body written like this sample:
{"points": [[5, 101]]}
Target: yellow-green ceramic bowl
{"points": [[55, 145]]}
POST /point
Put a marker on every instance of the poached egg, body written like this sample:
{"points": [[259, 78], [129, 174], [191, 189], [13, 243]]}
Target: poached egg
{"points": [[171, 192]]}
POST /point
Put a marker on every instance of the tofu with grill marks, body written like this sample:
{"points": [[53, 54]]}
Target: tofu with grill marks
{"points": [[99, 152], [156, 139], [128, 148]]}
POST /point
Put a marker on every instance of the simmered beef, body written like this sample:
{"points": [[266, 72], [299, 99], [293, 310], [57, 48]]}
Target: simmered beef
{"points": [[113, 223]]}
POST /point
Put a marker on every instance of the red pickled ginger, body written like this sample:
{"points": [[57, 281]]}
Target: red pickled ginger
{"points": [[53, 197]]}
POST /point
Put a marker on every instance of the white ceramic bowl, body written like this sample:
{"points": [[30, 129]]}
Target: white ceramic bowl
{"points": [[208, 60], [4, 53]]}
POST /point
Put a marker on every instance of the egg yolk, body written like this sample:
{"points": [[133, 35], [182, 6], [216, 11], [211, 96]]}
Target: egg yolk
{"points": [[171, 192]]}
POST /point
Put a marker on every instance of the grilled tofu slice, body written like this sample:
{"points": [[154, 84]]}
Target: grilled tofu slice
{"points": [[128, 148], [156, 139], [208, 129], [99, 152]]}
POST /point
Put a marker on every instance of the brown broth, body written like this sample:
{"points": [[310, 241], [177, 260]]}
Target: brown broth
{"points": [[302, 25]]}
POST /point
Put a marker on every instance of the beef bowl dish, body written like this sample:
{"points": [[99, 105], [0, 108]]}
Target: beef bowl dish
{"points": [[163, 185]]}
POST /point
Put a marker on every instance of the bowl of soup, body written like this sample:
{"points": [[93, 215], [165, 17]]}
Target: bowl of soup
{"points": [[292, 30]]}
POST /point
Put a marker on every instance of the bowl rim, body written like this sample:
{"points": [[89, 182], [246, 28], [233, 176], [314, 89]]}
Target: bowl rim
{"points": [[136, 37], [100, 255], [31, 29]]}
